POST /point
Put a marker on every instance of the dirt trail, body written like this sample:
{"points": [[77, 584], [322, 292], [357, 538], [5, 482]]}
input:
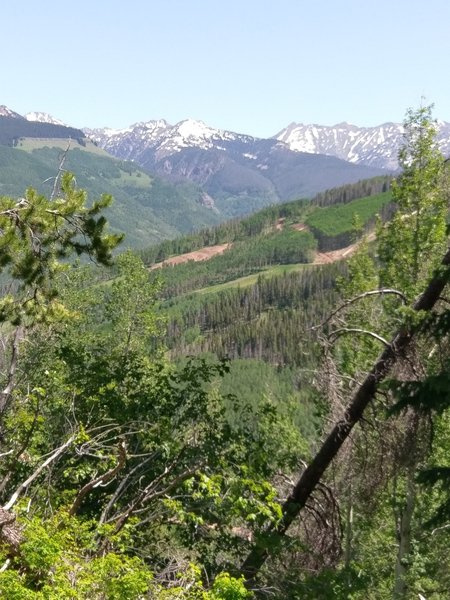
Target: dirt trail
{"points": [[323, 258], [202, 254]]}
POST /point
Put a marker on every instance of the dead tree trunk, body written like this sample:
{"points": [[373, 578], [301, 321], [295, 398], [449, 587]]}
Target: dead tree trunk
{"points": [[361, 398]]}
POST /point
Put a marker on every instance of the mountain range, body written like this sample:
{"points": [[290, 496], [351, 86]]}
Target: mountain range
{"points": [[371, 146], [153, 141], [239, 172], [175, 178]]}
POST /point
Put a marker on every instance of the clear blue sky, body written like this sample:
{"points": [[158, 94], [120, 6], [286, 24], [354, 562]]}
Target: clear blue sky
{"points": [[251, 66]]}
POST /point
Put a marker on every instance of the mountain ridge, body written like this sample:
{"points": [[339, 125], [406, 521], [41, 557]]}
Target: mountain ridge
{"points": [[375, 146], [236, 170]]}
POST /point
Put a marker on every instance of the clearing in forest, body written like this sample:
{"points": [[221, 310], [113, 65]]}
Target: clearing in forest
{"points": [[203, 254]]}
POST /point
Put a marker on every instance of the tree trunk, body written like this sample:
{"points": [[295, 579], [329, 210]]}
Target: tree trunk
{"points": [[404, 538], [10, 532]]}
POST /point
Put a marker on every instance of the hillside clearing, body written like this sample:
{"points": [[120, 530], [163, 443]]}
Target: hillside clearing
{"points": [[197, 255]]}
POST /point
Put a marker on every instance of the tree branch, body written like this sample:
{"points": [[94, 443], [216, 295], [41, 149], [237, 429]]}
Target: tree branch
{"points": [[61, 170], [23, 486], [102, 480], [5, 394], [380, 292], [336, 334]]}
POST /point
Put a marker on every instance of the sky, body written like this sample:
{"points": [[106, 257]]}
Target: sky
{"points": [[250, 66]]}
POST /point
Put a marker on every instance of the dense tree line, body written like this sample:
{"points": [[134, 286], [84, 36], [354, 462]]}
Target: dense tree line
{"points": [[347, 193], [12, 129], [270, 320]]}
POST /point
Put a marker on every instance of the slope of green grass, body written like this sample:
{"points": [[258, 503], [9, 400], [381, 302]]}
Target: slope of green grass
{"points": [[338, 219], [249, 280]]}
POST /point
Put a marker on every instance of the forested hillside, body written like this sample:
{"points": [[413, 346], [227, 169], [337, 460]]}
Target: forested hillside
{"points": [[147, 209], [276, 217], [254, 425]]}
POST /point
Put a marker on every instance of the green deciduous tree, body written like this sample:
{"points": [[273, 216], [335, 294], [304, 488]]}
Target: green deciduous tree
{"points": [[411, 244]]}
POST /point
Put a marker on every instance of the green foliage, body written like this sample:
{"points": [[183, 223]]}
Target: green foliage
{"points": [[412, 243], [57, 560], [228, 588], [37, 234]]}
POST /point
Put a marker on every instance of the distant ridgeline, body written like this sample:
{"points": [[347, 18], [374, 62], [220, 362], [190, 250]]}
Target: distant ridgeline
{"points": [[12, 129]]}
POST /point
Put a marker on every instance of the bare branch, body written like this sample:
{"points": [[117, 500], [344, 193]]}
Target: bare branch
{"points": [[23, 486], [380, 292], [102, 480], [344, 330], [5, 565], [61, 170], [152, 493], [440, 528], [5, 394], [121, 488]]}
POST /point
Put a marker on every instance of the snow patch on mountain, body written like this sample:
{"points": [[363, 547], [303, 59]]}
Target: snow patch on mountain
{"points": [[374, 146], [42, 117], [7, 112]]}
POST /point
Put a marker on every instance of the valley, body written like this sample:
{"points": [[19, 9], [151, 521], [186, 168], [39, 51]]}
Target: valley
{"points": [[270, 269], [247, 396]]}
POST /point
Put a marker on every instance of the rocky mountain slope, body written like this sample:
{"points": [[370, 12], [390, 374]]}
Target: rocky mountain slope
{"points": [[371, 146]]}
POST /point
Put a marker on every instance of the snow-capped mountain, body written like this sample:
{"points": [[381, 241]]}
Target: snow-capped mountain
{"points": [[7, 112], [227, 164], [43, 117], [162, 138], [36, 117], [374, 146], [370, 146]]}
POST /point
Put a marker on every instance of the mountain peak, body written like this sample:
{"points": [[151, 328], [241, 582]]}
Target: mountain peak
{"points": [[7, 112], [190, 128]]}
